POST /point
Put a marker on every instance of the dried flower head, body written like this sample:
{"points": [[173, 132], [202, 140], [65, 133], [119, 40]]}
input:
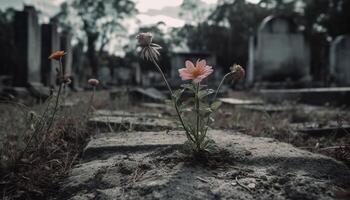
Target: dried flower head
{"points": [[93, 82], [57, 55], [237, 71], [149, 50], [196, 73]]}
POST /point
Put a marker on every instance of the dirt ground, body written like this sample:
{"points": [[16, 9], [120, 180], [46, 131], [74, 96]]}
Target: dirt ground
{"points": [[255, 166]]}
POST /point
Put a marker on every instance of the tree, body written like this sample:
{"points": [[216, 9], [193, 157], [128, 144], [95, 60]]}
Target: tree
{"points": [[100, 20], [225, 32]]}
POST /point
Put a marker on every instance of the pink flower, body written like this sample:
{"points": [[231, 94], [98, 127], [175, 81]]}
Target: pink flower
{"points": [[196, 73], [93, 82]]}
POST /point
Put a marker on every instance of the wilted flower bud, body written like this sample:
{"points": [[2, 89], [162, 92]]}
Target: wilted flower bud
{"points": [[66, 79], [144, 39], [93, 82], [57, 55], [149, 51], [237, 71]]}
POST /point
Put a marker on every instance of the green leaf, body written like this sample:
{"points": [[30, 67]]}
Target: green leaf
{"points": [[204, 93], [177, 94], [215, 105], [189, 87]]}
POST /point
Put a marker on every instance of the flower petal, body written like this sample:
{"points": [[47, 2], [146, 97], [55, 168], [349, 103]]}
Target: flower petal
{"points": [[201, 63], [189, 64]]}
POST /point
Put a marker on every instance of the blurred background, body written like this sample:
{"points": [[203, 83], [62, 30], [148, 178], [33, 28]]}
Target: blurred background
{"points": [[280, 43]]}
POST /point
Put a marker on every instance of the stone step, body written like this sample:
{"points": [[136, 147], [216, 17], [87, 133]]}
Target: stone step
{"points": [[120, 123], [132, 141]]}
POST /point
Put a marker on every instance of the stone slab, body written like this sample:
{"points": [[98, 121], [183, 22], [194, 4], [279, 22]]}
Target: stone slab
{"points": [[133, 141], [151, 95], [160, 106], [126, 113], [235, 101], [315, 96], [270, 169], [268, 108], [332, 128], [131, 123]]}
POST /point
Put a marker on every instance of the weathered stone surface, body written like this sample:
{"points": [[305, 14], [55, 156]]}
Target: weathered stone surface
{"points": [[269, 169], [131, 123]]}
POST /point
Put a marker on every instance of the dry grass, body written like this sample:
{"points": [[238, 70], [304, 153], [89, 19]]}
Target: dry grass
{"points": [[33, 158]]}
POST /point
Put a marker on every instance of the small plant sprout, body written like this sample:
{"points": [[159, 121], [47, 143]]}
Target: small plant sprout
{"points": [[194, 113]]}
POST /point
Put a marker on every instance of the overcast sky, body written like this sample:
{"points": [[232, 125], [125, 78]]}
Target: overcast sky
{"points": [[151, 11]]}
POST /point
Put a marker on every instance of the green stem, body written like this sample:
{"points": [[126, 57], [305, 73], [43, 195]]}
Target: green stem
{"points": [[197, 113], [215, 96], [221, 82], [58, 96], [174, 100]]}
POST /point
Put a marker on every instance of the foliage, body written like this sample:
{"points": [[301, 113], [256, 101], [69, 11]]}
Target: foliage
{"points": [[48, 142], [100, 21]]}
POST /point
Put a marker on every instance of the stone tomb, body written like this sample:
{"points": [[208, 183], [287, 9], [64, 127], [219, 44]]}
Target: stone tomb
{"points": [[50, 43], [279, 52], [148, 165], [340, 59], [313, 96], [27, 47]]}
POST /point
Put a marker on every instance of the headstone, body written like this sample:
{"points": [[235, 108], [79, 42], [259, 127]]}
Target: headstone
{"points": [[50, 43], [280, 52], [28, 47], [340, 59], [79, 69], [104, 75], [66, 45], [137, 72]]}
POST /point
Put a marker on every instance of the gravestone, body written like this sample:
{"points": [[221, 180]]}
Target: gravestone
{"points": [[104, 75], [27, 47], [50, 43], [280, 52], [340, 59], [65, 45]]}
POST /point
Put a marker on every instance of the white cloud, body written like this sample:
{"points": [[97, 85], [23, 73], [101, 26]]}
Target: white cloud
{"points": [[169, 21], [144, 5]]}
